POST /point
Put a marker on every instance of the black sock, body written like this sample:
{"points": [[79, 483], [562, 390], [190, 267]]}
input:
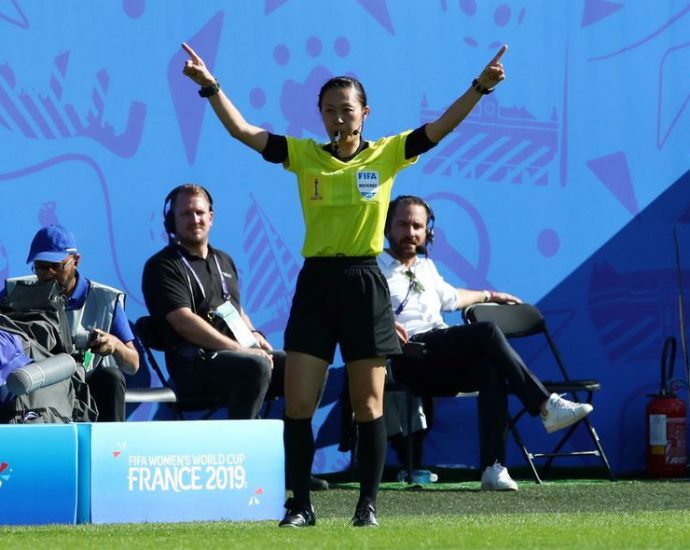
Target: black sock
{"points": [[371, 454], [298, 439]]}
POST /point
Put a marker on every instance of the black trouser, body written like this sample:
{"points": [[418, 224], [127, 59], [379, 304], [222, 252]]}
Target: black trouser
{"points": [[477, 357], [238, 380], [107, 386]]}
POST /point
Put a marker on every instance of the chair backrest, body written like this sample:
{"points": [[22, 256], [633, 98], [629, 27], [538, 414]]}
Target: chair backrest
{"points": [[515, 321], [143, 330], [148, 332]]}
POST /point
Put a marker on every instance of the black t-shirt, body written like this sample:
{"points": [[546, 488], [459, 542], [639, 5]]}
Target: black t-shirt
{"points": [[169, 284]]}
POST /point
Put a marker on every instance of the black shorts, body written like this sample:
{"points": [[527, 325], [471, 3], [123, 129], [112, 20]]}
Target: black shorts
{"points": [[344, 301]]}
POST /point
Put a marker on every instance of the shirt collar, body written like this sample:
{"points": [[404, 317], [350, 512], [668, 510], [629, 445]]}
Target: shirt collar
{"points": [[363, 144], [182, 250], [391, 263]]}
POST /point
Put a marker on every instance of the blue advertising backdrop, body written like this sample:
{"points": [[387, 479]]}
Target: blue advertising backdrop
{"points": [[562, 187]]}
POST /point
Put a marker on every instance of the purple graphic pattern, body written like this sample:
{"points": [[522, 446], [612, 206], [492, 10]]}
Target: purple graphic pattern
{"points": [[16, 18], [612, 170], [190, 117], [48, 211], [272, 271], [673, 58], [682, 13], [632, 312], [473, 276], [49, 117], [497, 144], [596, 10]]}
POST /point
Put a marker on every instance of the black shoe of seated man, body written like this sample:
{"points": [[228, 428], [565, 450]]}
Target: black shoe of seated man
{"points": [[365, 516], [317, 484], [297, 515]]}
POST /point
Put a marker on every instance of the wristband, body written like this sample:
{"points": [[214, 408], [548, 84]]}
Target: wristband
{"points": [[259, 332], [210, 90], [481, 89]]}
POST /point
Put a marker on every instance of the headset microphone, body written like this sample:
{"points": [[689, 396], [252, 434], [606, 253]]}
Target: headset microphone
{"points": [[335, 138], [355, 132]]}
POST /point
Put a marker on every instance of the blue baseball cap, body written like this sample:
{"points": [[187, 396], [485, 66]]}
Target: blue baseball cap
{"points": [[52, 244]]}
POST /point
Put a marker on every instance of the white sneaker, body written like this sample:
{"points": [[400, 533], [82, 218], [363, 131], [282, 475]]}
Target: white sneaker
{"points": [[497, 478], [561, 413]]}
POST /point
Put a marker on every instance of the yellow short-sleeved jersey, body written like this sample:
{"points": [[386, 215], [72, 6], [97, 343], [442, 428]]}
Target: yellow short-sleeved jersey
{"points": [[345, 203]]}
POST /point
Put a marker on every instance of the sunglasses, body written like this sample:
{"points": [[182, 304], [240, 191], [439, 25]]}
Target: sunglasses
{"points": [[56, 267]]}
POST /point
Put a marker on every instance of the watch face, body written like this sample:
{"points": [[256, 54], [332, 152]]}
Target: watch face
{"points": [[208, 91]]}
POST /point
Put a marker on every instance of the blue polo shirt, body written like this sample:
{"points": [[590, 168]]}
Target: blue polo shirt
{"points": [[120, 327]]}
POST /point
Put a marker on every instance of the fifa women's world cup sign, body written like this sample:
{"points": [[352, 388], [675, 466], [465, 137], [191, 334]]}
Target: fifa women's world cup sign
{"points": [[189, 472], [185, 471]]}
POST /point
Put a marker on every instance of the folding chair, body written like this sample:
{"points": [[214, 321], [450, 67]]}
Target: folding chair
{"points": [[145, 340], [523, 320]]}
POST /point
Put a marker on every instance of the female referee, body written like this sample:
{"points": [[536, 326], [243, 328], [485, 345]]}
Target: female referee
{"points": [[341, 296]]}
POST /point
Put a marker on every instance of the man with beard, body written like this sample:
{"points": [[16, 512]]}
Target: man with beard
{"points": [[213, 352], [466, 358], [96, 315]]}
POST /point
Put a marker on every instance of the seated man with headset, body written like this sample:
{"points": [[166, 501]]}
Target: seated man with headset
{"points": [[467, 358], [213, 352]]}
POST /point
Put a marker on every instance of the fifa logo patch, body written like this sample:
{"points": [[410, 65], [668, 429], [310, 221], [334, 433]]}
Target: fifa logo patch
{"points": [[368, 183]]}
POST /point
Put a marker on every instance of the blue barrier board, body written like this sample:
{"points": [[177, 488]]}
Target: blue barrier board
{"points": [[38, 474], [186, 471]]}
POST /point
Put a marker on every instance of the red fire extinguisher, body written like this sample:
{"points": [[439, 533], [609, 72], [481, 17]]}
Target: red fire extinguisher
{"points": [[666, 424]]}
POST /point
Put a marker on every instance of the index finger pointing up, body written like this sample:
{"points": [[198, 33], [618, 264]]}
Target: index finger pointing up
{"points": [[186, 47], [497, 57]]}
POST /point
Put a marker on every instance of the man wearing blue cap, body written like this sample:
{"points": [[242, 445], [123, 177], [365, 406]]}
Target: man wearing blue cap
{"points": [[92, 308]]}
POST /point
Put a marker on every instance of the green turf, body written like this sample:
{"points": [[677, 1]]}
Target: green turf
{"points": [[564, 514]]}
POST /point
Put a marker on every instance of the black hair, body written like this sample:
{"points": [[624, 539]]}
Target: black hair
{"points": [[406, 200], [339, 82]]}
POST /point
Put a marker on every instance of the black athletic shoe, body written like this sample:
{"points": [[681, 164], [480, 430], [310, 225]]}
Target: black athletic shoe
{"points": [[297, 515], [365, 516]]}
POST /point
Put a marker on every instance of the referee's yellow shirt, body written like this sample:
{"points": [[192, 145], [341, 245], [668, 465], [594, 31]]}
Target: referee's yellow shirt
{"points": [[344, 203]]}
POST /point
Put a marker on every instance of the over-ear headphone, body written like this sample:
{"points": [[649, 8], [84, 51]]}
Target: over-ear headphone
{"points": [[169, 204], [411, 199]]}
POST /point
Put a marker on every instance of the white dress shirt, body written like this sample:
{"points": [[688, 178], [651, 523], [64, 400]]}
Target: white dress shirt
{"points": [[424, 300]]}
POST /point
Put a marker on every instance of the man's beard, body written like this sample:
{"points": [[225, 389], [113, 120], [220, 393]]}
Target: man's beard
{"points": [[68, 285], [192, 240], [403, 251]]}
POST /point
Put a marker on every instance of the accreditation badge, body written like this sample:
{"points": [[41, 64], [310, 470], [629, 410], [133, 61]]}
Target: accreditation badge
{"points": [[368, 183], [236, 324]]}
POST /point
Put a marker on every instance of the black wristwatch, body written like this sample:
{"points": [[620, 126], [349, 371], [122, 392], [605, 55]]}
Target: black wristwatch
{"points": [[478, 87], [210, 90]]}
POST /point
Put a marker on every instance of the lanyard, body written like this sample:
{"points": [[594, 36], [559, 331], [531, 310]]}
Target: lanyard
{"points": [[412, 275], [226, 293]]}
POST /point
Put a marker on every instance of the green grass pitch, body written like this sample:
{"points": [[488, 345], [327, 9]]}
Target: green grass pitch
{"points": [[559, 514]]}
